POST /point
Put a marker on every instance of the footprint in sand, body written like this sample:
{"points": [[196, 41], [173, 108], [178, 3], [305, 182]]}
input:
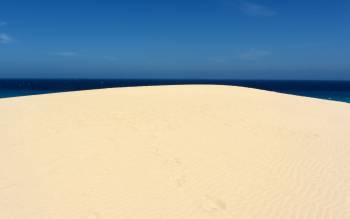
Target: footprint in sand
{"points": [[213, 205]]}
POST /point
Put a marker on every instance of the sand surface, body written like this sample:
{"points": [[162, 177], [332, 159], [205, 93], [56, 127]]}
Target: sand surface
{"points": [[174, 152]]}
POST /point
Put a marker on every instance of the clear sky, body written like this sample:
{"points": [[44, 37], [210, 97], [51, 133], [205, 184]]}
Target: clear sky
{"points": [[260, 39]]}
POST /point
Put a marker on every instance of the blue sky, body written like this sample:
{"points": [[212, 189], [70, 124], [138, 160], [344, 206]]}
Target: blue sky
{"points": [[259, 39]]}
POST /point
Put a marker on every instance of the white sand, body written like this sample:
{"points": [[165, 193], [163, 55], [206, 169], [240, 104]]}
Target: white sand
{"points": [[174, 152]]}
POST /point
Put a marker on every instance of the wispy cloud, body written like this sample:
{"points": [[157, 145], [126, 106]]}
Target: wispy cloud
{"points": [[111, 58], [257, 10], [66, 54], [5, 39], [254, 54], [219, 60], [3, 23]]}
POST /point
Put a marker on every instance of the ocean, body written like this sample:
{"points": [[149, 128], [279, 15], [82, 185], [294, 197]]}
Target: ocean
{"points": [[330, 90]]}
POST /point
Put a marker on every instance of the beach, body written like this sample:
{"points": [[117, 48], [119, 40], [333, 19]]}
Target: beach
{"points": [[190, 151]]}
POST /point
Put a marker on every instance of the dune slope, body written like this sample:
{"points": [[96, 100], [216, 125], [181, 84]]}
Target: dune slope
{"points": [[174, 152]]}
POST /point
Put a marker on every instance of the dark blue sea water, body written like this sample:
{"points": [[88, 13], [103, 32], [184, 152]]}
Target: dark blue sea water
{"points": [[331, 90]]}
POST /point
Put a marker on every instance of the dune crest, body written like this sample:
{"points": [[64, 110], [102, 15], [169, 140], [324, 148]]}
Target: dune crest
{"points": [[174, 152]]}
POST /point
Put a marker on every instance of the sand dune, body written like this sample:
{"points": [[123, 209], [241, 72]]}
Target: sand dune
{"points": [[174, 152]]}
